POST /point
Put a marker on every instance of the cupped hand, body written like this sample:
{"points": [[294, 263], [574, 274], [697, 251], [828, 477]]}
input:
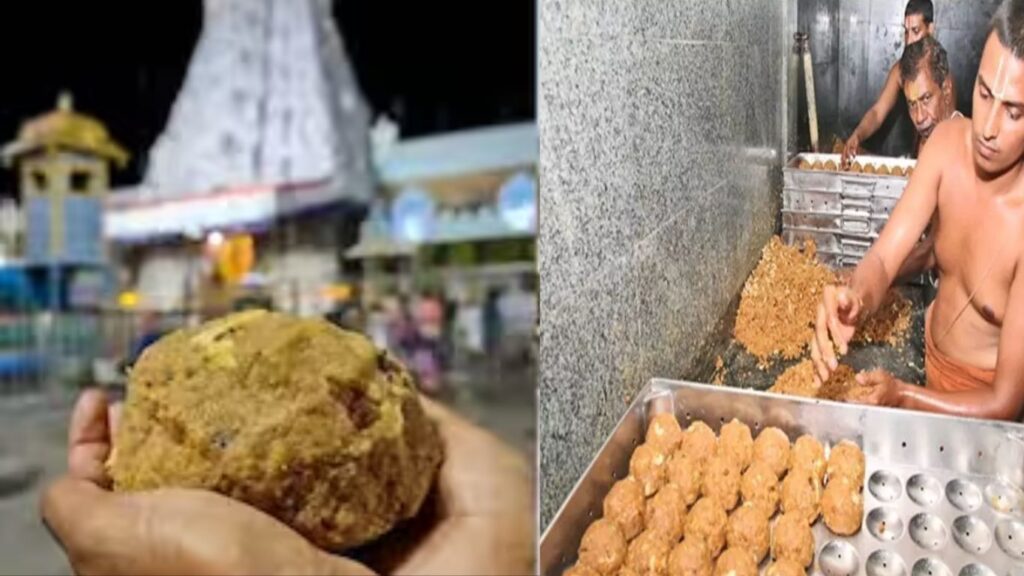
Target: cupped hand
{"points": [[479, 519], [167, 531], [877, 388]]}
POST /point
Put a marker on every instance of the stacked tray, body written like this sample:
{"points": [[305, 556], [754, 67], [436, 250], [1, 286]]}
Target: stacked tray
{"points": [[943, 496], [842, 211]]}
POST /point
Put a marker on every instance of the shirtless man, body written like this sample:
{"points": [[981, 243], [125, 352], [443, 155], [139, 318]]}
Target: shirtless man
{"points": [[917, 23], [927, 86], [970, 177], [928, 90]]}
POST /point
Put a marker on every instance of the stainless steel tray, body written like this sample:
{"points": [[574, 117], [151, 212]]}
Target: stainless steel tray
{"points": [[919, 467], [843, 212], [887, 161]]}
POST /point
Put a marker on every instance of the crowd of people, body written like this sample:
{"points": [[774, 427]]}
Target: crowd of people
{"points": [[430, 332]]}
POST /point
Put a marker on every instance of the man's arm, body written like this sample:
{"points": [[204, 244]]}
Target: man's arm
{"points": [[879, 268], [1006, 397], [920, 260], [886, 100], [844, 308], [876, 114]]}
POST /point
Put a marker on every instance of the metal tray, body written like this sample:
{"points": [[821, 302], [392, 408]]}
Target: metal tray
{"points": [[842, 212], [887, 161], [920, 466]]}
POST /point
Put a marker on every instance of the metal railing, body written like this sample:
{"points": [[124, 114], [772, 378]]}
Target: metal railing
{"points": [[44, 352]]}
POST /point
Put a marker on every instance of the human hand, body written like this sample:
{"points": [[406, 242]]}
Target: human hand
{"points": [[877, 388], [835, 323], [478, 520], [167, 531], [850, 151]]}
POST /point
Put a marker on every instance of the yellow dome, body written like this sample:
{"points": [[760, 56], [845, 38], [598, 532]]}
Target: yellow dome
{"points": [[65, 128]]}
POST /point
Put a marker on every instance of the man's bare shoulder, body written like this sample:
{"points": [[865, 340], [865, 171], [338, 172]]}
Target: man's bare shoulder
{"points": [[957, 127], [949, 138], [894, 74]]}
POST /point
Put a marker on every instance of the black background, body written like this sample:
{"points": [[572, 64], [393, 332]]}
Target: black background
{"points": [[432, 66]]}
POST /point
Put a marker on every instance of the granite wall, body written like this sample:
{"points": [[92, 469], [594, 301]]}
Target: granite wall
{"points": [[663, 124], [854, 43]]}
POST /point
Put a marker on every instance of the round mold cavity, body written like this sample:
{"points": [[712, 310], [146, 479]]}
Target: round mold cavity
{"points": [[1010, 537], [885, 486], [975, 569], [885, 524], [928, 531], [964, 495], [1002, 497], [838, 558], [928, 566], [885, 563], [924, 489], [973, 535]]}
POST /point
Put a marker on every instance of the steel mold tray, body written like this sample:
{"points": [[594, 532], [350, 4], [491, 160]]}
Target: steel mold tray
{"points": [[942, 495]]}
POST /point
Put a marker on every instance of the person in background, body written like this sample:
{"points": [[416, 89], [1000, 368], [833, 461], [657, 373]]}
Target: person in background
{"points": [[430, 316], [427, 347], [927, 87], [401, 327], [918, 22], [150, 330]]}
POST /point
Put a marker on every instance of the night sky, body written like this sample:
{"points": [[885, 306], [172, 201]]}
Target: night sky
{"points": [[433, 66]]}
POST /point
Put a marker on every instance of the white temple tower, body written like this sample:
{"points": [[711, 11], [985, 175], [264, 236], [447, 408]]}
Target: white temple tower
{"points": [[269, 98]]}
